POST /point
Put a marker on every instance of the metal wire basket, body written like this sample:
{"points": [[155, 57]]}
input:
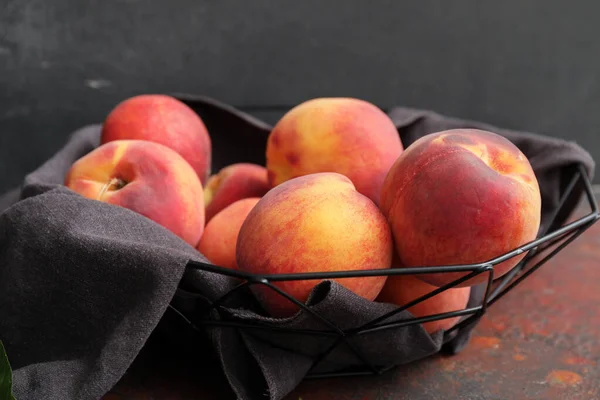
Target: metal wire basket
{"points": [[550, 241]]}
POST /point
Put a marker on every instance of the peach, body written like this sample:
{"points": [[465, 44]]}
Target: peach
{"points": [[165, 120], [145, 177], [402, 289], [314, 223], [461, 196], [219, 241], [345, 135], [232, 183]]}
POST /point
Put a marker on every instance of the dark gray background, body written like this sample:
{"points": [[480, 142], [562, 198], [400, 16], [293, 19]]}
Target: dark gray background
{"points": [[530, 65]]}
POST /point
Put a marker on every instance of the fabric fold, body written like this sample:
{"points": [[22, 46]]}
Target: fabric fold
{"points": [[83, 284]]}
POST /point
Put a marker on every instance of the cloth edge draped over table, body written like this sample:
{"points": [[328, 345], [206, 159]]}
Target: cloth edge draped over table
{"points": [[83, 284]]}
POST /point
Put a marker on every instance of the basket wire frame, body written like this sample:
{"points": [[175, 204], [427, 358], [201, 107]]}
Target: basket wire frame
{"points": [[551, 238]]}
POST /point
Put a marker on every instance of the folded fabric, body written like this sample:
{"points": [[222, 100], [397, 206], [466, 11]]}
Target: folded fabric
{"points": [[83, 284]]}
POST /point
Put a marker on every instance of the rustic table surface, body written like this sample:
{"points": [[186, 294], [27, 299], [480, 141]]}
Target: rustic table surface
{"points": [[541, 341]]}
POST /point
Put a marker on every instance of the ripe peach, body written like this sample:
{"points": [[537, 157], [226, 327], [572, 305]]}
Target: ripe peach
{"points": [[218, 243], [232, 183], [402, 289], [461, 196], [162, 119], [317, 222], [147, 178], [344, 135]]}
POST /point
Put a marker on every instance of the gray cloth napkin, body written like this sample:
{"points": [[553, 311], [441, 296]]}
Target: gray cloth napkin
{"points": [[83, 284]]}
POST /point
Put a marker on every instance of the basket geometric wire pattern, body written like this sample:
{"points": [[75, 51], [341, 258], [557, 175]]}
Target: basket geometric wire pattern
{"points": [[550, 241]]}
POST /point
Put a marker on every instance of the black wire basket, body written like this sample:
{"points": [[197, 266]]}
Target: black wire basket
{"points": [[551, 240]]}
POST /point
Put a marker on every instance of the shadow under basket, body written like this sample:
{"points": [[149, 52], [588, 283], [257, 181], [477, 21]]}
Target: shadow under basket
{"points": [[228, 313]]}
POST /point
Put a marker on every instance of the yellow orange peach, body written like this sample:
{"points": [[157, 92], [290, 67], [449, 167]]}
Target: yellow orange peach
{"points": [[316, 222], [162, 119], [402, 289], [218, 243], [461, 196], [232, 183], [145, 177], [345, 135]]}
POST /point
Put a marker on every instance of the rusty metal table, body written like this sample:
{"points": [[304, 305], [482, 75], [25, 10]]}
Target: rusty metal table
{"points": [[541, 341]]}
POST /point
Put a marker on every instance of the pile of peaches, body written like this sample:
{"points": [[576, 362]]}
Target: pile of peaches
{"points": [[339, 192]]}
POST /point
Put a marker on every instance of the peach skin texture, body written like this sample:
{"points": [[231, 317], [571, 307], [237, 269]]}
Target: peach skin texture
{"points": [[147, 178], [461, 196], [344, 135], [402, 289], [165, 120], [232, 183], [219, 241], [314, 223]]}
